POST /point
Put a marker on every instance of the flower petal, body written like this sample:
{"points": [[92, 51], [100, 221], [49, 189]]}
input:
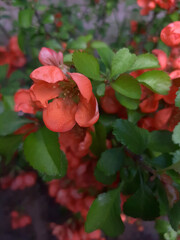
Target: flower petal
{"points": [[59, 116], [170, 35], [83, 83], [42, 92], [162, 58], [50, 74], [87, 113], [49, 57], [23, 102]]}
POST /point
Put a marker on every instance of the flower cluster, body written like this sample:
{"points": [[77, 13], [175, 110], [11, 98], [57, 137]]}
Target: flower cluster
{"points": [[161, 113], [65, 98], [20, 182], [74, 231], [19, 220], [12, 55], [148, 5]]}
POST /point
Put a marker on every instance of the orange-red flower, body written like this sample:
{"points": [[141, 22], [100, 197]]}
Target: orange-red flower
{"points": [[162, 58], [77, 141], [12, 55], [65, 100], [23, 102], [170, 35], [166, 4], [146, 6]]}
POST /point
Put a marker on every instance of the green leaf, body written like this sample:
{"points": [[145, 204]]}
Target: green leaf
{"points": [[177, 100], [107, 121], [67, 58], [87, 64], [174, 216], [145, 61], [106, 55], [53, 44], [101, 177], [10, 122], [48, 18], [101, 89], [9, 144], [19, 3], [21, 40], [162, 161], [142, 204], [176, 162], [134, 116], [122, 62], [98, 139], [3, 72], [131, 181], [127, 86], [161, 226], [43, 153], [8, 102], [161, 141], [111, 161], [135, 138], [104, 214], [176, 134], [99, 44], [25, 17], [157, 81], [77, 44], [129, 103]]}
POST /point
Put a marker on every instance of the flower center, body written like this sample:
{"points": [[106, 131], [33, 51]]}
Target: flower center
{"points": [[69, 91]]}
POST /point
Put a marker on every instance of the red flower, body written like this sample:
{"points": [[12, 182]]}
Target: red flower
{"points": [[166, 4], [162, 58], [76, 141], [150, 100], [4, 56], [23, 102], [109, 103], [72, 98], [134, 26], [167, 118], [49, 57], [170, 35], [146, 5]]}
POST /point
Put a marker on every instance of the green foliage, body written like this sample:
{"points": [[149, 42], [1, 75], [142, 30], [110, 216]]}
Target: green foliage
{"points": [[128, 86], [176, 134], [177, 100], [25, 17], [122, 62], [127, 102], [104, 214], [106, 55], [3, 72], [101, 89], [103, 178], [145, 61], [174, 216], [157, 81], [87, 64], [98, 139], [111, 161], [8, 145], [43, 153], [131, 136], [10, 122], [142, 204], [161, 141]]}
